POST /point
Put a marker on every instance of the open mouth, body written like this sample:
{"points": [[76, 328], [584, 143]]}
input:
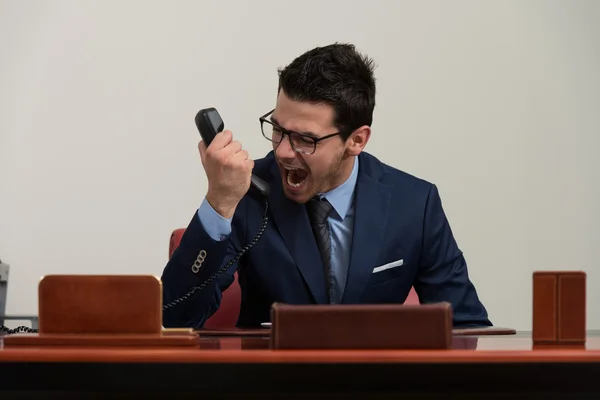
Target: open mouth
{"points": [[295, 177]]}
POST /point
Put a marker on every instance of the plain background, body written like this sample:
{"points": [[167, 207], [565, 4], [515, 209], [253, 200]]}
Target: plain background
{"points": [[497, 102]]}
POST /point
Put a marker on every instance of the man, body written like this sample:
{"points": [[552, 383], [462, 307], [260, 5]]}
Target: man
{"points": [[342, 226]]}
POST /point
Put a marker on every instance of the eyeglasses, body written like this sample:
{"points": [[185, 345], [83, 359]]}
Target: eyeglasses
{"points": [[301, 142]]}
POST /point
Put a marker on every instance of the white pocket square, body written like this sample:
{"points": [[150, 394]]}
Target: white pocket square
{"points": [[393, 264]]}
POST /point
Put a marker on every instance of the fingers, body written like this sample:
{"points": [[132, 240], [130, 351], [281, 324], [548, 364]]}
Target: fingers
{"points": [[234, 147], [223, 147], [224, 143], [221, 140], [241, 155], [249, 162]]}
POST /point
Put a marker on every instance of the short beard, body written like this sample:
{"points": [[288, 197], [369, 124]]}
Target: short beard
{"points": [[332, 174]]}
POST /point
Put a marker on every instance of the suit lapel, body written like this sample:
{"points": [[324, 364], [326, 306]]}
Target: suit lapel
{"points": [[292, 222], [371, 207]]}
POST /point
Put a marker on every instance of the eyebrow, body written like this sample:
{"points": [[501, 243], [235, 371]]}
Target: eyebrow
{"points": [[275, 120], [310, 134]]}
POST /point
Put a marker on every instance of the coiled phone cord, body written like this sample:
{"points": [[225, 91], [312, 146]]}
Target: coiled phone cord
{"points": [[18, 329], [225, 267]]}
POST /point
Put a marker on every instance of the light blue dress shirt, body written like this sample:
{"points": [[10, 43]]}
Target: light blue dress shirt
{"points": [[341, 223]]}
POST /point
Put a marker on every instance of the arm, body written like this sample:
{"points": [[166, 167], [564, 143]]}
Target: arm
{"points": [[210, 232], [443, 274]]}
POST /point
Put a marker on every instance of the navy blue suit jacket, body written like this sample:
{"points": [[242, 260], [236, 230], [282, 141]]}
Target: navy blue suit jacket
{"points": [[397, 217]]}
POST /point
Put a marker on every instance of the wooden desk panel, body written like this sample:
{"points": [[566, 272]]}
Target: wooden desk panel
{"points": [[242, 365], [252, 349]]}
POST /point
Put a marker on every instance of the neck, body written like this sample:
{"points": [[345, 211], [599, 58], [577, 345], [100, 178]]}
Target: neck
{"points": [[343, 173]]}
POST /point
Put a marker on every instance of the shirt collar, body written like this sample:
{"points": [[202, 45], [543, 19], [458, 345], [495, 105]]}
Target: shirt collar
{"points": [[341, 197]]}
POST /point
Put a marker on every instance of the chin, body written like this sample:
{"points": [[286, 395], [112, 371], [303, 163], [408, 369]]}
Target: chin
{"points": [[296, 197]]}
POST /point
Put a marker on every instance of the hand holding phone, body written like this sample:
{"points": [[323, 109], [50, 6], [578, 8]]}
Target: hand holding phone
{"points": [[228, 166], [209, 124], [229, 172]]}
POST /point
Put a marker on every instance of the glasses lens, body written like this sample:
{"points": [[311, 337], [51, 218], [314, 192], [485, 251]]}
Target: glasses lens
{"points": [[302, 144], [270, 132]]}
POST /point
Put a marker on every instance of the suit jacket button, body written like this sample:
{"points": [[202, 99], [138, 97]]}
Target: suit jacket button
{"points": [[196, 266]]}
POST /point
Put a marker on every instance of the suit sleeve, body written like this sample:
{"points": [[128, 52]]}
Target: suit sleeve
{"points": [[443, 274], [209, 246]]}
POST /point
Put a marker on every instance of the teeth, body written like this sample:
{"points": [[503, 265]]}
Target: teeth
{"points": [[289, 181]]}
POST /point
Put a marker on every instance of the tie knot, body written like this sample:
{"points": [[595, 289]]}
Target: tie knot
{"points": [[319, 210]]}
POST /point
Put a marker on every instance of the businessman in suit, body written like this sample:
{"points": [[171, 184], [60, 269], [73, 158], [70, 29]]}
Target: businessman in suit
{"points": [[343, 227]]}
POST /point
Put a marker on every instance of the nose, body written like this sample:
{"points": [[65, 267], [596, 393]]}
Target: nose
{"points": [[285, 150]]}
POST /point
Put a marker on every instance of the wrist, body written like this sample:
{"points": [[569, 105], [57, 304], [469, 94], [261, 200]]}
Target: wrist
{"points": [[224, 208]]}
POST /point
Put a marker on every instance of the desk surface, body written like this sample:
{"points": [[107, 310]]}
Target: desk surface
{"points": [[244, 363], [255, 349]]}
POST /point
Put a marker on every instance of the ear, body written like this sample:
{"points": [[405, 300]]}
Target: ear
{"points": [[358, 140]]}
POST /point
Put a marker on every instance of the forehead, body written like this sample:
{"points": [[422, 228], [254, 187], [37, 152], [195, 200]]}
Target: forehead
{"points": [[300, 116]]}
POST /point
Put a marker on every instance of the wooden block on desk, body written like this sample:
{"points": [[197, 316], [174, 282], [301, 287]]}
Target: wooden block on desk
{"points": [[100, 304], [559, 309], [572, 307], [102, 310], [361, 326], [545, 305]]}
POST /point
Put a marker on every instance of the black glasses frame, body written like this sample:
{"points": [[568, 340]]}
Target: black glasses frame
{"points": [[263, 120]]}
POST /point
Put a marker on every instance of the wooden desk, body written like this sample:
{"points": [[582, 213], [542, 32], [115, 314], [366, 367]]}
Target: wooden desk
{"points": [[238, 365]]}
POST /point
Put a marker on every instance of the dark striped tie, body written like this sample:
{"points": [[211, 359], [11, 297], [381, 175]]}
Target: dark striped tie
{"points": [[318, 211]]}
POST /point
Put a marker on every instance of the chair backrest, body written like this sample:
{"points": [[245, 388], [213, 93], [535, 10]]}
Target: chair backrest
{"points": [[412, 297], [227, 314]]}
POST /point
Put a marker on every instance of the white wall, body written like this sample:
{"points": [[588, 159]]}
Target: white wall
{"points": [[496, 102]]}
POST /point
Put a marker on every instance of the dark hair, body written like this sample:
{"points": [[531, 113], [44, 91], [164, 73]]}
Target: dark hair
{"points": [[337, 75]]}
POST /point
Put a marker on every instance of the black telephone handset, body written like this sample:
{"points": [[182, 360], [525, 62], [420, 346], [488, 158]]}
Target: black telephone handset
{"points": [[209, 123]]}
